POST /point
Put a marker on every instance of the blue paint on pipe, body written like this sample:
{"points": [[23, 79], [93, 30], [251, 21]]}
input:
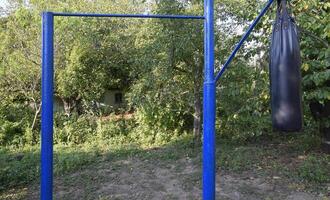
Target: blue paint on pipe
{"points": [[209, 164], [246, 35], [128, 16], [46, 192], [209, 105], [209, 99], [46, 187]]}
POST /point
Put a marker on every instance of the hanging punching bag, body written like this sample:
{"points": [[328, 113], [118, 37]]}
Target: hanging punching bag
{"points": [[285, 74]]}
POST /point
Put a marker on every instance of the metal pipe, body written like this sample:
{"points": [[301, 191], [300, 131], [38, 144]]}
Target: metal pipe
{"points": [[209, 105], [246, 35], [128, 16], [46, 188]]}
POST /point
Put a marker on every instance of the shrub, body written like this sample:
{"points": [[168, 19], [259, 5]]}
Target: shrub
{"points": [[157, 126], [15, 119], [76, 130], [243, 106], [86, 128], [107, 129], [10, 133]]}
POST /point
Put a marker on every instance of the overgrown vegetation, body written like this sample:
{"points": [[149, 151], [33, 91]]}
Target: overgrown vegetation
{"points": [[159, 66]]}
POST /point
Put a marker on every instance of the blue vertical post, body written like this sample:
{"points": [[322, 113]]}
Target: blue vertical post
{"points": [[209, 105], [46, 192]]}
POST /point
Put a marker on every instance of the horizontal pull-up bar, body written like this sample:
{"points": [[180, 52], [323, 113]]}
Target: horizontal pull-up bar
{"points": [[246, 35], [128, 16], [209, 98]]}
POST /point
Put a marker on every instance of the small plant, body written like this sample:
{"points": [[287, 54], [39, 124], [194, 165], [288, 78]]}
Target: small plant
{"points": [[315, 169], [10, 133], [76, 130]]}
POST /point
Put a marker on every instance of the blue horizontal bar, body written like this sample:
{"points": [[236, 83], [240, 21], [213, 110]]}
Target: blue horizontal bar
{"points": [[247, 34], [128, 16]]}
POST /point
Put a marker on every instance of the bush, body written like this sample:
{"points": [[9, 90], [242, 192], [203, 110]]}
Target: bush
{"points": [[244, 106], [87, 128], [75, 130], [107, 129], [11, 133], [15, 119], [157, 126]]}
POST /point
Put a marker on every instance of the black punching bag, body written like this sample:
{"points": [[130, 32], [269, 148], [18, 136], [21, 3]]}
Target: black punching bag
{"points": [[285, 74]]}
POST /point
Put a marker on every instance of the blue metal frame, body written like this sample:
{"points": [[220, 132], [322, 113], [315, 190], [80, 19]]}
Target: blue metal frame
{"points": [[209, 101], [47, 106], [209, 105], [128, 16]]}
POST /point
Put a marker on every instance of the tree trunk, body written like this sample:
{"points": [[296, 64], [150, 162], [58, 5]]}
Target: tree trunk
{"points": [[37, 111], [197, 74], [197, 114], [72, 104], [37, 108], [67, 106]]}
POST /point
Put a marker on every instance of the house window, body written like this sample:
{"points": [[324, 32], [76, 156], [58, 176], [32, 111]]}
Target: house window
{"points": [[118, 98]]}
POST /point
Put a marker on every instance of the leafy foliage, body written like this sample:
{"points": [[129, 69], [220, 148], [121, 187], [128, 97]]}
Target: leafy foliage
{"points": [[158, 62], [243, 106], [312, 17]]}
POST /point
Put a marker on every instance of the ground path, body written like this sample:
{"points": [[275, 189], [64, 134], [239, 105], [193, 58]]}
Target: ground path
{"points": [[136, 178]]}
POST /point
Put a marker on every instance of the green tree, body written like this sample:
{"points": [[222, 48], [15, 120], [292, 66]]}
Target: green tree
{"points": [[20, 63], [89, 50], [169, 80], [313, 19]]}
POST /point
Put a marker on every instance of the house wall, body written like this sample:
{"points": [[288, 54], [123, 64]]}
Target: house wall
{"points": [[58, 105], [108, 99]]}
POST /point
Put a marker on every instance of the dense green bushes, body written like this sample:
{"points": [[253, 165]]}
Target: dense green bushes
{"points": [[136, 128], [87, 128], [75, 130], [243, 103], [10, 132], [15, 125], [82, 129], [158, 64]]}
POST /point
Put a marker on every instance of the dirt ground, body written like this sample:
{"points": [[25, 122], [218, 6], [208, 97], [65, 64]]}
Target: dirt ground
{"points": [[142, 179]]}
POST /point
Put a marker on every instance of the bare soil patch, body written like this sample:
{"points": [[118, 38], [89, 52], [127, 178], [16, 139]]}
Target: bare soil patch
{"points": [[143, 179]]}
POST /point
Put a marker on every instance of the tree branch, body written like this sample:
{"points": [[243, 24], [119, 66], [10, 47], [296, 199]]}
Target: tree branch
{"points": [[315, 37]]}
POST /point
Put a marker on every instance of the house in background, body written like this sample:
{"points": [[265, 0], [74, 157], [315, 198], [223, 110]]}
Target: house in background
{"points": [[113, 99], [58, 105]]}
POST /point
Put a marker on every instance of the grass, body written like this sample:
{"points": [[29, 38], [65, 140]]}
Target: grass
{"points": [[315, 169], [281, 158], [21, 166], [277, 158]]}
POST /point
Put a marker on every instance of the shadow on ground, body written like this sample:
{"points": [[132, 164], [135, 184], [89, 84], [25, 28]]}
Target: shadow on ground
{"points": [[170, 172]]}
